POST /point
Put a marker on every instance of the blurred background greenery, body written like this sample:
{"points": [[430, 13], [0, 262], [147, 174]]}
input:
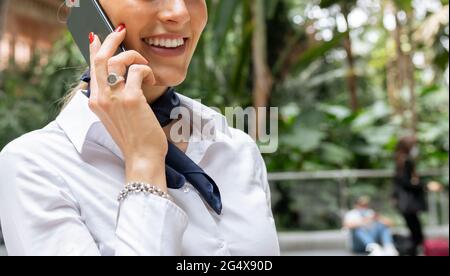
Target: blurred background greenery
{"points": [[350, 78]]}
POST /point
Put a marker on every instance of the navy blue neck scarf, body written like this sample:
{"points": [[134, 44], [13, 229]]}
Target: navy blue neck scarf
{"points": [[179, 167]]}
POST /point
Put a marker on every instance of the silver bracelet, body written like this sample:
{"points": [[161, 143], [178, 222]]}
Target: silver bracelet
{"points": [[140, 187]]}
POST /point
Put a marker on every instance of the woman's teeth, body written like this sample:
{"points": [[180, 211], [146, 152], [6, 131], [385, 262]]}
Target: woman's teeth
{"points": [[166, 43]]}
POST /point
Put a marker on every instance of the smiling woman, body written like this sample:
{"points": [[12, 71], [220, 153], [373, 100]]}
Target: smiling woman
{"points": [[165, 22], [61, 184]]}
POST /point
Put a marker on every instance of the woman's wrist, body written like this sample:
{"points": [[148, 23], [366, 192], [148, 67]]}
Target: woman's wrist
{"points": [[141, 187], [148, 170]]}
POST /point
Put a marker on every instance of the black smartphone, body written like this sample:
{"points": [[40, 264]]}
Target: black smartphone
{"points": [[89, 17]]}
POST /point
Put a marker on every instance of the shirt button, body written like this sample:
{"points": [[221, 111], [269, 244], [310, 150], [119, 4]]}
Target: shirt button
{"points": [[187, 189], [222, 245]]}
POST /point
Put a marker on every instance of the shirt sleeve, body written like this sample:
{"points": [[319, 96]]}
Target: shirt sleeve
{"points": [[40, 217], [261, 174]]}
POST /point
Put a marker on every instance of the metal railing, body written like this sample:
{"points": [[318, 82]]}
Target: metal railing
{"points": [[347, 174], [347, 179]]}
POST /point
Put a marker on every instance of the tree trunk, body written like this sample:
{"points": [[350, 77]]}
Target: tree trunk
{"points": [[3, 15], [3, 8], [262, 75], [404, 76], [412, 95], [411, 80], [352, 79]]}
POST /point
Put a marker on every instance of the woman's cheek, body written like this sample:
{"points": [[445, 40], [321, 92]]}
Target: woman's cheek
{"points": [[203, 17]]}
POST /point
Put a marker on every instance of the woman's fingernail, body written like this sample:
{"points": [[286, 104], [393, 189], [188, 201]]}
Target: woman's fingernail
{"points": [[120, 28], [91, 37]]}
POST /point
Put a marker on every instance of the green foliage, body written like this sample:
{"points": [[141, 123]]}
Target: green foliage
{"points": [[29, 96]]}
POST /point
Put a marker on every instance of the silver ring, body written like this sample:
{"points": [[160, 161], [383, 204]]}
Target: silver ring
{"points": [[114, 79]]}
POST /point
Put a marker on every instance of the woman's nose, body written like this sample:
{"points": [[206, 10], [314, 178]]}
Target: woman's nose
{"points": [[174, 11]]}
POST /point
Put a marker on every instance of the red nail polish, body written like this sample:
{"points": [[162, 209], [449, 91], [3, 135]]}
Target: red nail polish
{"points": [[91, 37], [120, 28]]}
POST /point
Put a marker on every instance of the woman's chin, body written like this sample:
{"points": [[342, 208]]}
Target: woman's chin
{"points": [[169, 79]]}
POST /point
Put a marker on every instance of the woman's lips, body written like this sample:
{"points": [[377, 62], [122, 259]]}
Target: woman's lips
{"points": [[162, 50]]}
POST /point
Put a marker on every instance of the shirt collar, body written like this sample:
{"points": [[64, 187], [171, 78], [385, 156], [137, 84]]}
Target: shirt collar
{"points": [[81, 124]]}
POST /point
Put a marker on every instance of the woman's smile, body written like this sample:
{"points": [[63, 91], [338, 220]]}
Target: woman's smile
{"points": [[166, 45]]}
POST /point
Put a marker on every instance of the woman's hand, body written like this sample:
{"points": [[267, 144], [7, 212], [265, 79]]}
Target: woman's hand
{"points": [[124, 111]]}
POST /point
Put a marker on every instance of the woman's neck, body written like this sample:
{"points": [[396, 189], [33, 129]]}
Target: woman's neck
{"points": [[152, 93]]}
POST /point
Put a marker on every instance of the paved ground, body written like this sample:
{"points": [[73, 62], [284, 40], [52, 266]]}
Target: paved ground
{"points": [[333, 243]]}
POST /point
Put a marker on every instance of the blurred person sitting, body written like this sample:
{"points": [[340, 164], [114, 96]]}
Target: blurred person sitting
{"points": [[370, 232]]}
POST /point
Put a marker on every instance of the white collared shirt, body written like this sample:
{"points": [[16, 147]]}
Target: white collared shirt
{"points": [[59, 188]]}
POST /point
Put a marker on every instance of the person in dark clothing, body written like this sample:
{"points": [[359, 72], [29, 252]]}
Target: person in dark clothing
{"points": [[409, 191]]}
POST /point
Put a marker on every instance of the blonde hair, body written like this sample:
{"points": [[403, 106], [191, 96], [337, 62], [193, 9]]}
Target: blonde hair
{"points": [[64, 101]]}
